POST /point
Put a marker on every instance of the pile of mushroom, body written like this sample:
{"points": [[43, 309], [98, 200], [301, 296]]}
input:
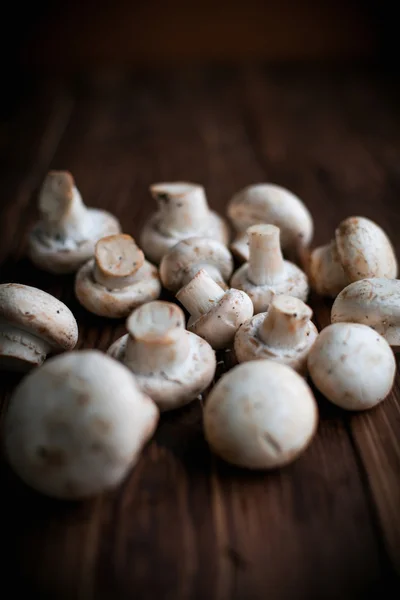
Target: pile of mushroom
{"points": [[77, 423]]}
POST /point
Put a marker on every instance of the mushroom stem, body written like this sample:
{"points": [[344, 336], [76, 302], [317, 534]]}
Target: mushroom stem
{"points": [[212, 271], [183, 207], [157, 341], [285, 323], [266, 265], [117, 261], [200, 294], [16, 342], [61, 206]]}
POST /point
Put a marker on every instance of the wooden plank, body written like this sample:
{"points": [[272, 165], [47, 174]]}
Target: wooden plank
{"points": [[183, 525]]}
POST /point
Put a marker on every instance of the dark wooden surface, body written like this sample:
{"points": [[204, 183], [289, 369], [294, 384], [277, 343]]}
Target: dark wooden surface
{"points": [[184, 525]]}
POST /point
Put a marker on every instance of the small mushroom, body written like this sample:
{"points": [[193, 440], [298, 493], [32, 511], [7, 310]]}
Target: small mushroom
{"points": [[260, 415], [118, 279], [374, 302], [266, 273], [268, 203], [360, 250], [352, 365], [66, 234], [77, 425], [172, 365], [285, 333], [216, 314], [33, 324], [181, 263], [183, 212]]}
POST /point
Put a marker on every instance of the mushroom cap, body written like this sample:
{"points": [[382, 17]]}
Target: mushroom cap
{"points": [[374, 302], [179, 260], [219, 325], [196, 374], [364, 249], [249, 346], [119, 302], [39, 313], [325, 270], [66, 256], [260, 415], [294, 283], [155, 244], [76, 425], [352, 365], [269, 203]]}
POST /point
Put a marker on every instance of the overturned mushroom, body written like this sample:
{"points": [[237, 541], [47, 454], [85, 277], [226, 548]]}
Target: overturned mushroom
{"points": [[216, 314], [181, 263], [77, 425], [360, 250], [183, 212], [33, 324], [285, 334], [118, 279], [374, 302], [267, 274], [66, 234], [268, 203], [172, 365], [260, 415], [352, 365]]}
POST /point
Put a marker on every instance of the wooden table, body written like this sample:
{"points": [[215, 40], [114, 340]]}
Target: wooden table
{"points": [[184, 525]]}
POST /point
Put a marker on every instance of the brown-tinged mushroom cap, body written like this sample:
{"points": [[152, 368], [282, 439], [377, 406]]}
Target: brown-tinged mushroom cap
{"points": [[188, 256], [269, 203], [365, 250], [352, 365], [285, 333], [216, 314], [65, 236], [77, 425], [374, 302], [32, 324], [118, 279], [182, 212], [171, 365], [260, 415], [267, 274]]}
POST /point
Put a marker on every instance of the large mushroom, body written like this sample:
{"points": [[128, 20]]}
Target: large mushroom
{"points": [[269, 203], [181, 263], [171, 365], [66, 234], [77, 425], [360, 250], [118, 279], [33, 324], [182, 212]]}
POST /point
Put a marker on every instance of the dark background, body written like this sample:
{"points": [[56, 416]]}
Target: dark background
{"points": [[54, 35]]}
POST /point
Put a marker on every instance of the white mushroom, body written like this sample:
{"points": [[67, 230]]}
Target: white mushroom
{"points": [[266, 273], [77, 425], [260, 415], [360, 250], [66, 234], [352, 365], [33, 324], [268, 203], [181, 263], [172, 365], [183, 212], [374, 302], [285, 333], [216, 314], [118, 279]]}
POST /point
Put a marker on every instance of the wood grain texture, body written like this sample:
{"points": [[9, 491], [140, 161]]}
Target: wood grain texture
{"points": [[184, 525]]}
